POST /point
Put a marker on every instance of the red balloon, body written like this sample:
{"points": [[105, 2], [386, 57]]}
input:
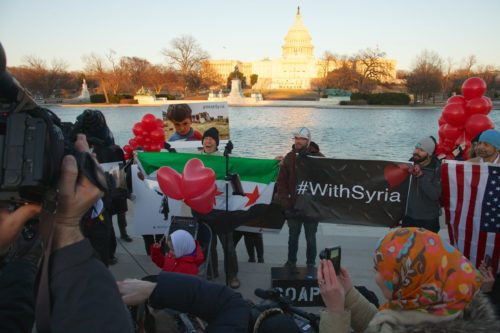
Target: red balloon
{"points": [[454, 114], [477, 105], [126, 156], [440, 149], [133, 143], [147, 147], [447, 145], [170, 182], [196, 179], [441, 121], [476, 124], [457, 99], [203, 203], [159, 123], [149, 122], [138, 129], [467, 148], [157, 135], [128, 149], [139, 140], [147, 140], [155, 147], [473, 87], [451, 133], [488, 100]]}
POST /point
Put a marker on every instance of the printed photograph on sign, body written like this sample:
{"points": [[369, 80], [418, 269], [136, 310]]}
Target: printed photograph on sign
{"points": [[185, 123]]}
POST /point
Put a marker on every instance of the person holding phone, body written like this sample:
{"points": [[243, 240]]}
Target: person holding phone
{"points": [[491, 283], [429, 286]]}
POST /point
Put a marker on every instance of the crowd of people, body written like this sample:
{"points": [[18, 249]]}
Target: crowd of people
{"points": [[429, 285]]}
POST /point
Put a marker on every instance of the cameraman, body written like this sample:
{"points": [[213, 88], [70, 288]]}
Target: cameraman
{"points": [[84, 296]]}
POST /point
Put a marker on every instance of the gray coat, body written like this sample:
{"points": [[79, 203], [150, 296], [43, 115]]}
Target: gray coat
{"points": [[363, 316], [425, 193]]}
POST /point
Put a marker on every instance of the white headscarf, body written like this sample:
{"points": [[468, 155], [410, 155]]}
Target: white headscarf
{"points": [[182, 242]]}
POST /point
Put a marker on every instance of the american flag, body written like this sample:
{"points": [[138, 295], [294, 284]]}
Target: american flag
{"points": [[471, 199]]}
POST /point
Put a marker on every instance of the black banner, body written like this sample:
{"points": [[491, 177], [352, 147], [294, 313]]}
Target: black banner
{"points": [[352, 191]]}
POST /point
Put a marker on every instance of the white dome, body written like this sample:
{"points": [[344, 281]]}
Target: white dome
{"points": [[298, 41]]}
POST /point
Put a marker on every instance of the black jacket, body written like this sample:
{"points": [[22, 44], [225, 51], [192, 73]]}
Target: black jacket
{"points": [[287, 178], [84, 294], [223, 309], [17, 308]]}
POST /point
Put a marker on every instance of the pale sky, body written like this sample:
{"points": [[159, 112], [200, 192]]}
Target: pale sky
{"points": [[249, 30]]}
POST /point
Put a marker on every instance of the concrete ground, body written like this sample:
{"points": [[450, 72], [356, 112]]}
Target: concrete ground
{"points": [[357, 242]]}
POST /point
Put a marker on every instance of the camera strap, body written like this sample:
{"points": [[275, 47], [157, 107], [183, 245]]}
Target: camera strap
{"points": [[43, 304]]}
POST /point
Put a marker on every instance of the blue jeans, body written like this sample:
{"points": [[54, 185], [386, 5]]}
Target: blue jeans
{"points": [[310, 229]]}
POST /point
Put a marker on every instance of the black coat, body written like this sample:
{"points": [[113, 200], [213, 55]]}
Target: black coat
{"points": [[84, 294], [223, 309], [17, 301]]}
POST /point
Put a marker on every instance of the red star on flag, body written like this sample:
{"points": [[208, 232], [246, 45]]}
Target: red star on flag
{"points": [[252, 197]]}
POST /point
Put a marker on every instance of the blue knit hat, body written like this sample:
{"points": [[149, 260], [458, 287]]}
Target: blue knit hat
{"points": [[492, 137]]}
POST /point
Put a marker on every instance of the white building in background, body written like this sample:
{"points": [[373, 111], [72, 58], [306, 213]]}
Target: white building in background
{"points": [[294, 70]]}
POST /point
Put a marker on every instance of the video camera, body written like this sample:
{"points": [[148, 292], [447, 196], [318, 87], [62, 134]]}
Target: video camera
{"points": [[276, 311], [33, 141]]}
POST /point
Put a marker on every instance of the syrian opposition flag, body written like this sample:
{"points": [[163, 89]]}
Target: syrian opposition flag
{"points": [[257, 176]]}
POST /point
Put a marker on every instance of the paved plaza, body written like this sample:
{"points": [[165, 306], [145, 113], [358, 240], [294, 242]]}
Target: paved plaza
{"points": [[357, 242]]}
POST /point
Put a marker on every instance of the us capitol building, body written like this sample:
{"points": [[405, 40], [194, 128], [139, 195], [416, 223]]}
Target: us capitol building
{"points": [[294, 70]]}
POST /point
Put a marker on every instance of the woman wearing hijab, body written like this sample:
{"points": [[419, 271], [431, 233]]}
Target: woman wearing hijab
{"points": [[184, 256], [429, 286]]}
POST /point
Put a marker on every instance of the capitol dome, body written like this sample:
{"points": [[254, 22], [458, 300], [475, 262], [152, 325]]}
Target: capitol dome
{"points": [[298, 41]]}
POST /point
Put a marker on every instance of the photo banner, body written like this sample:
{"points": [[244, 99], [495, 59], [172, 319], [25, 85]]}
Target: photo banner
{"points": [[203, 115], [354, 192]]}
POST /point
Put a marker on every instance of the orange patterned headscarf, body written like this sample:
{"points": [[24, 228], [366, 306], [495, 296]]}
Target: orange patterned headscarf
{"points": [[425, 273]]}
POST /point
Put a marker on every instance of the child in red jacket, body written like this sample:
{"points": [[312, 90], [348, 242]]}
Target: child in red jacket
{"points": [[185, 254]]}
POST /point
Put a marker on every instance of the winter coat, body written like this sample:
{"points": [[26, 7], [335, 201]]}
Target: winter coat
{"points": [[287, 177], [84, 294], [224, 309], [425, 192], [364, 317], [169, 263]]}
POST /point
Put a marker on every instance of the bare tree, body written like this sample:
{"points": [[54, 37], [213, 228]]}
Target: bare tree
{"points": [[210, 77], [469, 62], [425, 78], [95, 66], [372, 65], [185, 54], [136, 71], [329, 62], [446, 83], [116, 77]]}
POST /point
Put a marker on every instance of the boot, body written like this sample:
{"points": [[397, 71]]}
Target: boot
{"points": [[122, 225]]}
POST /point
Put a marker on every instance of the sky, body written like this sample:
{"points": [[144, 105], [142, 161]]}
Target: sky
{"points": [[248, 30]]}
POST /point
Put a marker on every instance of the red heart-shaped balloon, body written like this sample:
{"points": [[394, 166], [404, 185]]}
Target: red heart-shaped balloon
{"points": [[170, 182], [196, 179], [203, 203], [395, 174]]}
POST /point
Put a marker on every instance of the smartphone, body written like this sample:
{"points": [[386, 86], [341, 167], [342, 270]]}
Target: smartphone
{"points": [[334, 255]]}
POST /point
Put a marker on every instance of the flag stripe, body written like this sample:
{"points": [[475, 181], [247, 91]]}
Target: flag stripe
{"points": [[481, 247], [446, 199], [459, 181], [472, 176], [249, 169]]}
